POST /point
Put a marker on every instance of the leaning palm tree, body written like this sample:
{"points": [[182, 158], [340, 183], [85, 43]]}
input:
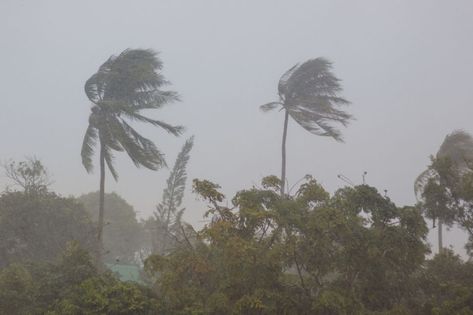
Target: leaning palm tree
{"points": [[431, 186], [122, 88], [309, 93]]}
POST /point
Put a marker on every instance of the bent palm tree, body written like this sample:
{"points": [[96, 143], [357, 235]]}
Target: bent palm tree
{"points": [[309, 93], [430, 186], [122, 87]]}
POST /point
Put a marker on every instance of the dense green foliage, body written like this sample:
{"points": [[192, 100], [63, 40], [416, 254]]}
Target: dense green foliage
{"points": [[70, 286], [351, 253]]}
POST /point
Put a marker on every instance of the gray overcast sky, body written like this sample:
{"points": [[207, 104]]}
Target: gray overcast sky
{"points": [[406, 67]]}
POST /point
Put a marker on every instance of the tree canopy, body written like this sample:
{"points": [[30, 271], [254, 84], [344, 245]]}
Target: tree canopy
{"points": [[354, 252]]}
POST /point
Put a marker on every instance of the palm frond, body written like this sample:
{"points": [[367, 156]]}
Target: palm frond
{"points": [[310, 93], [152, 99], [141, 150], [175, 130], [282, 85], [132, 72], [269, 106], [319, 122], [312, 78], [108, 155], [88, 145], [96, 86]]}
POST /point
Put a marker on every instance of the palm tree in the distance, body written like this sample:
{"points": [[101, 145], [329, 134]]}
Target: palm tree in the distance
{"points": [[431, 185], [120, 90], [309, 93]]}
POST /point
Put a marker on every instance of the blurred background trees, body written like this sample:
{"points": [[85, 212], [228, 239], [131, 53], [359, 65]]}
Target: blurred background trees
{"points": [[123, 234]]}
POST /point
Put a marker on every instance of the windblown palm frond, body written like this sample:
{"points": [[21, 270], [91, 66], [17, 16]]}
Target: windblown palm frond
{"points": [[88, 145], [310, 93], [122, 87], [270, 106]]}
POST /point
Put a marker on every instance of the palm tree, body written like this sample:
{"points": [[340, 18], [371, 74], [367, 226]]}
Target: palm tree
{"points": [[309, 93], [122, 87], [431, 186]]}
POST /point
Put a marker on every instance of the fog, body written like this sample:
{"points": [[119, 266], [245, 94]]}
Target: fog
{"points": [[405, 67]]}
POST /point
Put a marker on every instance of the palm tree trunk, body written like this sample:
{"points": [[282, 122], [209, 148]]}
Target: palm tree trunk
{"points": [[440, 237], [101, 206], [283, 166]]}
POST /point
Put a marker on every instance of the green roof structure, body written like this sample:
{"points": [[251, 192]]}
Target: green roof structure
{"points": [[126, 272]]}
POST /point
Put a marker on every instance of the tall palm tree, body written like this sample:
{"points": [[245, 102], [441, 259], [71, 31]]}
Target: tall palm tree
{"points": [[122, 87], [430, 186], [309, 93]]}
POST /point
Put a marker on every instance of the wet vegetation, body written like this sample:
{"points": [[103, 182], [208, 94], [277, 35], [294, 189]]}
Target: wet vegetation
{"points": [[266, 250]]}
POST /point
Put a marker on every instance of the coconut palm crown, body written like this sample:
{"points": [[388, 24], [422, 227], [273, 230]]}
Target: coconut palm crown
{"points": [[122, 88], [309, 93]]}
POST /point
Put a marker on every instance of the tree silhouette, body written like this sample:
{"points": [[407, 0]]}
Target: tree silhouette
{"points": [[122, 88], [309, 93]]}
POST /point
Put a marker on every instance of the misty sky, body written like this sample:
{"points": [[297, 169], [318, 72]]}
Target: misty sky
{"points": [[406, 67]]}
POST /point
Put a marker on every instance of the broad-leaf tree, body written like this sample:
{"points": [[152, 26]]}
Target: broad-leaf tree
{"points": [[448, 283], [309, 253], [434, 186], [122, 88], [310, 94]]}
